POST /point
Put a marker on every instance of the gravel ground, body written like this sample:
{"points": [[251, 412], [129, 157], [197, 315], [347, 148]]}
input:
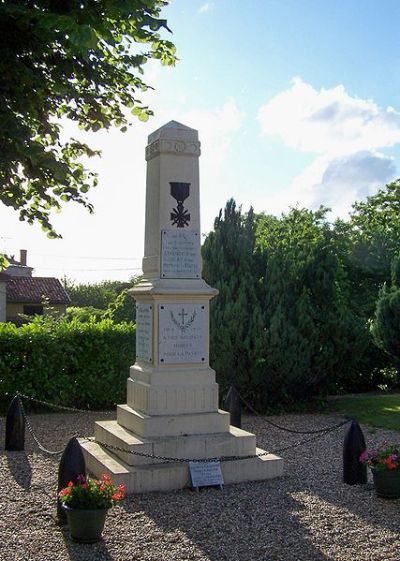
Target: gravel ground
{"points": [[308, 514]]}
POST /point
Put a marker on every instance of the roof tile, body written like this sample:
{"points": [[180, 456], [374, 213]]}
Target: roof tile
{"points": [[35, 289]]}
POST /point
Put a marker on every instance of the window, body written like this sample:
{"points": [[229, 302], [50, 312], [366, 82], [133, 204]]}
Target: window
{"points": [[33, 310]]}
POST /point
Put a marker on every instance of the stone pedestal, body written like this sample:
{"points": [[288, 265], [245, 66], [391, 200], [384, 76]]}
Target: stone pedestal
{"points": [[172, 396]]}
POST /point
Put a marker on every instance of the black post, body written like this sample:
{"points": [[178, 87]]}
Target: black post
{"points": [[15, 426], [233, 404], [354, 471], [72, 464]]}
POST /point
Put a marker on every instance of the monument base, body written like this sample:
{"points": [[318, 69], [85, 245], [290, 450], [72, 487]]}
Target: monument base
{"points": [[128, 462]]}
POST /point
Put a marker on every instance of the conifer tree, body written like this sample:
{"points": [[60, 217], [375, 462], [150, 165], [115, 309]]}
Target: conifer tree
{"points": [[386, 325], [305, 316], [236, 322]]}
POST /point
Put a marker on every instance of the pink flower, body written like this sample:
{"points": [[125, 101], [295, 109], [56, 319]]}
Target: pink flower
{"points": [[364, 456]]}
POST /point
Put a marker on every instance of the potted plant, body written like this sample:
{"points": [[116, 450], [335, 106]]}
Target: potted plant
{"points": [[86, 504], [385, 466]]}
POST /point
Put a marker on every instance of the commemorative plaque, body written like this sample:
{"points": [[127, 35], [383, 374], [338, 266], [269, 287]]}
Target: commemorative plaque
{"points": [[182, 333], [144, 332], [204, 474], [180, 254]]}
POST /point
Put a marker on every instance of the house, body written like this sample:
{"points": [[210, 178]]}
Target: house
{"points": [[22, 293]]}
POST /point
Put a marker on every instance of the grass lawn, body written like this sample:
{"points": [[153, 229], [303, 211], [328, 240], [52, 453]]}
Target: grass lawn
{"points": [[381, 411]]}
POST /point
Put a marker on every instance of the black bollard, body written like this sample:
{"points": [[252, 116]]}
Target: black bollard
{"points": [[72, 464], [15, 426], [233, 404], [354, 472]]}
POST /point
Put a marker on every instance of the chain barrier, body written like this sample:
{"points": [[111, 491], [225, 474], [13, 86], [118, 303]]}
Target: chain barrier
{"points": [[319, 433], [53, 405], [220, 458], [33, 435], [293, 431]]}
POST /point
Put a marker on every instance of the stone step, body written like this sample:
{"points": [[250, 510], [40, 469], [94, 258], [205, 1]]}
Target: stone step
{"points": [[172, 425], [99, 461], [236, 442], [171, 476]]}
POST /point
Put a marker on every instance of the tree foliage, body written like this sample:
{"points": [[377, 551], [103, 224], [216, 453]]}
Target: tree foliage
{"points": [[292, 317], [236, 318], [122, 309], [80, 60], [386, 325], [307, 328], [99, 295]]}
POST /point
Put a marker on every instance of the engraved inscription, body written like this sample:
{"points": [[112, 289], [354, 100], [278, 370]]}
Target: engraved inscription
{"points": [[182, 333], [205, 474], [144, 332], [180, 254]]}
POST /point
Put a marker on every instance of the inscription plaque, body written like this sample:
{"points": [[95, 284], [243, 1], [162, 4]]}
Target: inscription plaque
{"points": [[144, 332], [180, 254], [182, 335], [206, 473]]}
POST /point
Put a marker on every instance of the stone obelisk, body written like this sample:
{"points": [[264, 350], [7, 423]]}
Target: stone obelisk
{"points": [[172, 396]]}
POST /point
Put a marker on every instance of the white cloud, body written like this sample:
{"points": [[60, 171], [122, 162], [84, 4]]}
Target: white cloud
{"points": [[345, 133], [217, 128], [206, 7], [328, 121], [340, 181]]}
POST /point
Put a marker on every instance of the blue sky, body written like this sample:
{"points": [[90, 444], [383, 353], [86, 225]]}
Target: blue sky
{"points": [[295, 101]]}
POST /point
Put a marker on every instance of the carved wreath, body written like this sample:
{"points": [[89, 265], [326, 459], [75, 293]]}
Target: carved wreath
{"points": [[183, 326]]}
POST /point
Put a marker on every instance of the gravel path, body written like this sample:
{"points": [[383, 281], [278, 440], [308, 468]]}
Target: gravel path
{"points": [[307, 515]]}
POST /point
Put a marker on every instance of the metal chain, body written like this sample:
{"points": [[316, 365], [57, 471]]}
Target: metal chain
{"points": [[33, 435], [317, 434], [312, 439], [207, 460], [249, 407], [54, 405], [323, 430]]}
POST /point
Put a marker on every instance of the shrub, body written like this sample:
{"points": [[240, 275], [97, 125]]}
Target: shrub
{"points": [[70, 363]]}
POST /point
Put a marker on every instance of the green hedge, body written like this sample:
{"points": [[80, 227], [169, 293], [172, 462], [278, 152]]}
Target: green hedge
{"points": [[77, 364]]}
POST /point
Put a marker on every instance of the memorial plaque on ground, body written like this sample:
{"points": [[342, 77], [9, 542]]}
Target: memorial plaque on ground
{"points": [[144, 332], [180, 254], [204, 474], [182, 333]]}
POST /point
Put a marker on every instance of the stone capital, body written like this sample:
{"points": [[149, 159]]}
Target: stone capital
{"points": [[173, 138], [177, 147]]}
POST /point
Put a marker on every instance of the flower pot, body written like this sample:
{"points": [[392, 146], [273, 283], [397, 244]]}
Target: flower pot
{"points": [[85, 526], [387, 483]]}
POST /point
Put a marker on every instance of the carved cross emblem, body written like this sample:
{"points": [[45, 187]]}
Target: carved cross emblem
{"points": [[181, 323], [180, 217]]}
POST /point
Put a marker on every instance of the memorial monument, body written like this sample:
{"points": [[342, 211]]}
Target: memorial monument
{"points": [[172, 397]]}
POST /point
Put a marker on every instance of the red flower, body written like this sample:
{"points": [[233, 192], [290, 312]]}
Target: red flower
{"points": [[389, 463]]}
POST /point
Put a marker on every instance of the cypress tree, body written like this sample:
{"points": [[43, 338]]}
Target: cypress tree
{"points": [[236, 319]]}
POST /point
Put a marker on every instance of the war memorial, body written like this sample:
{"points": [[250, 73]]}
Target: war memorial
{"points": [[171, 415]]}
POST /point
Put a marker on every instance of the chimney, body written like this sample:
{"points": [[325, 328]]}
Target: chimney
{"points": [[22, 256]]}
